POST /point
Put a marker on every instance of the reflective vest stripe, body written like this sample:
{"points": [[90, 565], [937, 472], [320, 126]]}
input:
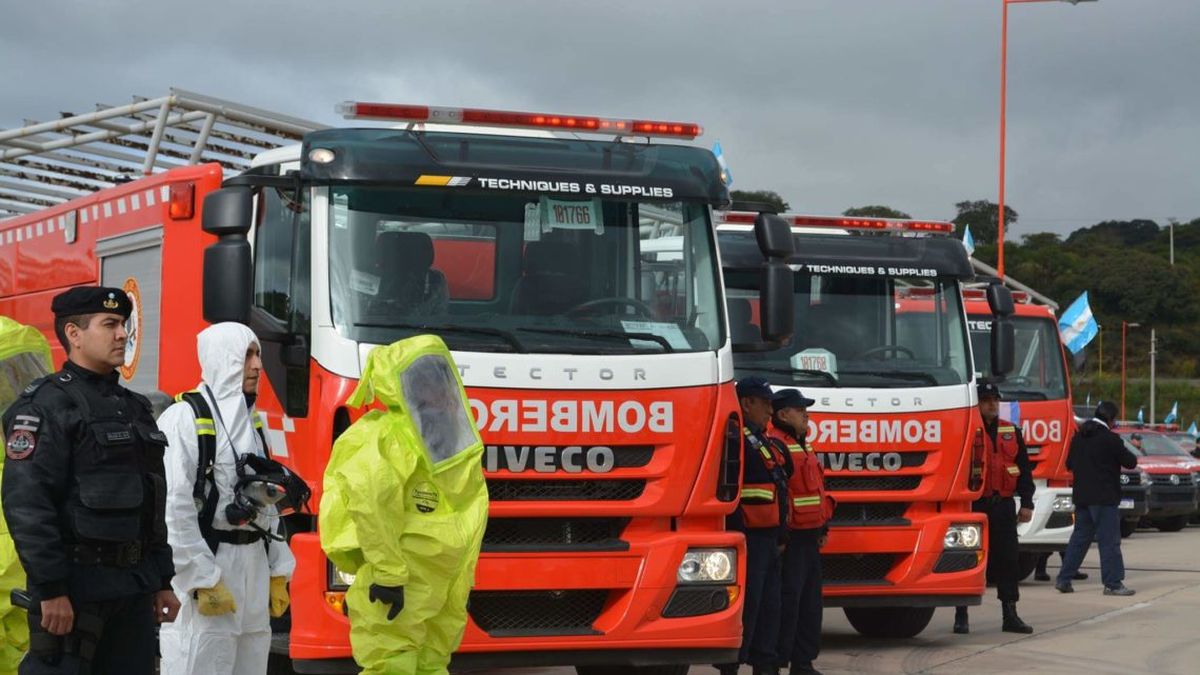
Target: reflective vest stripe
{"points": [[205, 427], [796, 448], [814, 500], [758, 493]]}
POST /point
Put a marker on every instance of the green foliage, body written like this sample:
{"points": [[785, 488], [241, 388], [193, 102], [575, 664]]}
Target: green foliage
{"points": [[761, 196], [981, 216], [875, 211]]}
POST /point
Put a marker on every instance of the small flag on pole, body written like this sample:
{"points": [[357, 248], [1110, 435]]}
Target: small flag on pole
{"points": [[726, 174], [1077, 325], [1193, 430], [968, 241], [1172, 416], [1011, 411], [1141, 415]]}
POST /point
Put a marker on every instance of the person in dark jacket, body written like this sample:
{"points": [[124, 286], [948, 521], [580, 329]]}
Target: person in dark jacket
{"points": [[1096, 457], [1007, 473], [762, 516], [84, 490]]}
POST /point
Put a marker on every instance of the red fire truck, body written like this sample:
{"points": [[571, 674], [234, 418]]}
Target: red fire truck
{"points": [[598, 368], [881, 344]]}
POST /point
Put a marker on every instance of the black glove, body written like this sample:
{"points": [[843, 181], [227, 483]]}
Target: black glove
{"points": [[388, 595]]}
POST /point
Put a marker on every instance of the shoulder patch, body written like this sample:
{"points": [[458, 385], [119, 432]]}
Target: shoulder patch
{"points": [[20, 444]]}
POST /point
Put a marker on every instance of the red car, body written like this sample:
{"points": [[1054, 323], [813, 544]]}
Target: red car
{"points": [[1174, 475]]}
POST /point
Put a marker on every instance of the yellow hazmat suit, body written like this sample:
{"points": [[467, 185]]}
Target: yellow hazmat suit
{"points": [[24, 357], [404, 507]]}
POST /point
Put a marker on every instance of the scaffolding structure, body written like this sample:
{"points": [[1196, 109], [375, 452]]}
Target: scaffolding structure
{"points": [[44, 164]]}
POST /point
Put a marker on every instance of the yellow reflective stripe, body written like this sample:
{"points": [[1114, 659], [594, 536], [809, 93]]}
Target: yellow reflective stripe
{"points": [[758, 493], [206, 432], [427, 179], [806, 501], [257, 422], [205, 427], [1008, 429]]}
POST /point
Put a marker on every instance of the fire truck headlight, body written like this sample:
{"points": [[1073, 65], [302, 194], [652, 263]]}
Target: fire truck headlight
{"points": [[708, 566], [963, 537], [339, 580], [1062, 504]]}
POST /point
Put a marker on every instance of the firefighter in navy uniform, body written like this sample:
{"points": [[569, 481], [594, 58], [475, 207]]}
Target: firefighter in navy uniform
{"points": [[762, 516], [1007, 473], [809, 510], [83, 493]]}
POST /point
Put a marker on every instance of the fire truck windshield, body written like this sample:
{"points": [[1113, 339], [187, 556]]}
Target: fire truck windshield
{"points": [[1038, 373], [852, 331], [522, 272]]}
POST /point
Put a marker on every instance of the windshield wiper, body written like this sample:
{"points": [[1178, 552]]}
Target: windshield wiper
{"points": [[504, 335], [666, 345], [1026, 394], [898, 374], [790, 371]]}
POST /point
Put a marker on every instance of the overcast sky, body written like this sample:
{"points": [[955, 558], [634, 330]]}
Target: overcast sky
{"points": [[832, 103]]}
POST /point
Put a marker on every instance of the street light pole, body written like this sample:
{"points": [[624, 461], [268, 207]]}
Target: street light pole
{"points": [[1153, 353], [1003, 125]]}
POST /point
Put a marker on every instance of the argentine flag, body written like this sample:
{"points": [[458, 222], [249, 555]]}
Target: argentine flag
{"points": [[1193, 430], [1141, 415], [1174, 414], [725, 173], [968, 240], [1077, 325], [1011, 411]]}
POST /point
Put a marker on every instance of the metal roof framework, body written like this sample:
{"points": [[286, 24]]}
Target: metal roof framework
{"points": [[44, 164]]}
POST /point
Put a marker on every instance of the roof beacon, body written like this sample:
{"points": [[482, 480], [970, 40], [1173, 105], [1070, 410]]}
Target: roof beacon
{"points": [[849, 223], [356, 110]]}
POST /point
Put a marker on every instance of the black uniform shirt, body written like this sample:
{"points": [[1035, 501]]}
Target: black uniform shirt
{"points": [[84, 465]]}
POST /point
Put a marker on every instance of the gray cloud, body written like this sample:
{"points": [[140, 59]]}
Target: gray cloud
{"points": [[833, 103]]}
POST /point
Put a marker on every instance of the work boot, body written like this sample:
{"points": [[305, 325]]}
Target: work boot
{"points": [[1041, 575], [1064, 587], [1012, 622], [1119, 589], [1080, 576], [961, 625]]}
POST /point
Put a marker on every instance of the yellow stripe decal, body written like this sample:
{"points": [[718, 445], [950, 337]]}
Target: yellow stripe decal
{"points": [[440, 181]]}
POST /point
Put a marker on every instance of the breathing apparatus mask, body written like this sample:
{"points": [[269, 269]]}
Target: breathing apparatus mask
{"points": [[264, 484]]}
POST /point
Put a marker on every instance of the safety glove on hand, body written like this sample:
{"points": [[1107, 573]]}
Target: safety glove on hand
{"points": [[388, 595], [279, 596], [214, 601]]}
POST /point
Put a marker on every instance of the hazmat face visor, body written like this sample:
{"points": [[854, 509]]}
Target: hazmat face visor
{"points": [[264, 483], [434, 400], [16, 372]]}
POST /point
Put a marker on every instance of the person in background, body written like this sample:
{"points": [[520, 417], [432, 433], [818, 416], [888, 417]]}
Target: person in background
{"points": [[1095, 457], [809, 510]]}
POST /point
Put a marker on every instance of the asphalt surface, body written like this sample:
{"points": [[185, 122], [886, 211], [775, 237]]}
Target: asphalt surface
{"points": [[1155, 631]]}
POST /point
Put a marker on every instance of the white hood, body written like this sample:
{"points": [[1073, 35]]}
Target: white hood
{"points": [[222, 351]]}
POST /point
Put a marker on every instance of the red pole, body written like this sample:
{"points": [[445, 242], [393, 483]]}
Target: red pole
{"points": [[1123, 370], [1003, 106]]}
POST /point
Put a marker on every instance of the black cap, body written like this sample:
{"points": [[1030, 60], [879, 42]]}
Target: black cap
{"points": [[790, 398], [988, 390], [753, 386], [91, 300]]}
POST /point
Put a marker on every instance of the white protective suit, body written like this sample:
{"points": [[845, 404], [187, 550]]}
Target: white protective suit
{"points": [[239, 642]]}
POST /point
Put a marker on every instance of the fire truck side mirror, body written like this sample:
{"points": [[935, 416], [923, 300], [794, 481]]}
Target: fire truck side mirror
{"points": [[774, 236], [228, 271], [776, 303], [1004, 341], [1000, 300]]}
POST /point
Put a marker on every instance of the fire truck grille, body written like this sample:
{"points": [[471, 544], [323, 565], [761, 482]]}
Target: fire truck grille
{"points": [[852, 568], [956, 561], [554, 534], [868, 515], [696, 602], [565, 490], [884, 483], [1060, 520], [542, 613]]}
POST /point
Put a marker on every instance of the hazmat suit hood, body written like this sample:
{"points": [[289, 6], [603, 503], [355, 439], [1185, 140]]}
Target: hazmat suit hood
{"points": [[221, 349], [24, 357]]}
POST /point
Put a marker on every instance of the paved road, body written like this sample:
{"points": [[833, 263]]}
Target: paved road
{"points": [[1156, 631]]}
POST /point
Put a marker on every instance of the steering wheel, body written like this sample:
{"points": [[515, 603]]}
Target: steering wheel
{"points": [[1017, 379], [641, 309], [885, 349]]}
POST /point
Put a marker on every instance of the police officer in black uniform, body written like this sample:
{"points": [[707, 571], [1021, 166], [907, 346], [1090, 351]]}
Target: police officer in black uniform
{"points": [[84, 493]]}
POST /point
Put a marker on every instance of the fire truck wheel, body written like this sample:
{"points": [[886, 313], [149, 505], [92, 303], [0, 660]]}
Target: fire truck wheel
{"points": [[1026, 563], [889, 622], [1128, 527], [632, 670], [1172, 524]]}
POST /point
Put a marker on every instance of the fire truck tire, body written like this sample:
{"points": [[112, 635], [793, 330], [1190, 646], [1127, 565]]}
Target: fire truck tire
{"points": [[1026, 563], [889, 622], [632, 670], [1172, 524], [1128, 527]]}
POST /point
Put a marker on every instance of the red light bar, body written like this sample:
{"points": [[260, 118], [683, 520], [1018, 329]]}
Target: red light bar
{"points": [[847, 223], [506, 118]]}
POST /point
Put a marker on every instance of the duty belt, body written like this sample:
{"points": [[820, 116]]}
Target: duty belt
{"points": [[237, 537], [128, 554]]}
